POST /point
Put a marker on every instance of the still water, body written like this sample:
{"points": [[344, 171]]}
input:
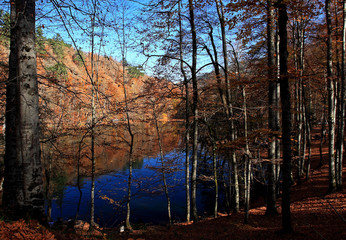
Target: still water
{"points": [[148, 203]]}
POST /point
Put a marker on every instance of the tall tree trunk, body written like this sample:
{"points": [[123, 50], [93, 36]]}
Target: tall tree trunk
{"points": [[187, 121], [323, 130], [93, 112], [195, 113], [331, 101], [23, 186], [216, 65], [342, 121], [220, 11], [341, 112], [215, 180], [163, 170], [286, 119], [247, 158], [277, 116], [212, 136], [247, 183], [271, 193], [129, 126]]}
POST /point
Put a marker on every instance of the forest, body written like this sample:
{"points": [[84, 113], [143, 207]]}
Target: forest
{"points": [[119, 115]]}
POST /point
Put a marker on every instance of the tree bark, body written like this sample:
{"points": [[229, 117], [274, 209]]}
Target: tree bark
{"points": [[163, 170], [286, 119], [93, 113], [271, 193], [187, 121], [195, 113], [220, 11], [341, 112], [23, 186], [331, 101], [342, 122]]}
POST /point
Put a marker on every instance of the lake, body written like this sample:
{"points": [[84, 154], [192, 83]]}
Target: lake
{"points": [[148, 204]]}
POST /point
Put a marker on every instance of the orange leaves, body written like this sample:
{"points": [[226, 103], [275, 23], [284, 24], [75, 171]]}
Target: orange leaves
{"points": [[21, 230]]}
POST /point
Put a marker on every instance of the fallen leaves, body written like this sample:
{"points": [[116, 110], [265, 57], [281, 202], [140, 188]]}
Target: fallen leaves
{"points": [[20, 230]]}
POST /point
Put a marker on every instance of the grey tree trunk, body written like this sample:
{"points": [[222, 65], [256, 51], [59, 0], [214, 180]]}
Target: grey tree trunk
{"points": [[286, 119], [247, 158], [220, 11], [247, 183], [195, 113], [163, 170], [271, 191], [342, 122], [331, 101], [341, 112], [129, 183], [23, 186], [323, 131], [215, 180], [187, 121], [93, 113], [277, 116]]}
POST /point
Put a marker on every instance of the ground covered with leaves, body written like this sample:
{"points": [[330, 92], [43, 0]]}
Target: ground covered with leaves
{"points": [[315, 215]]}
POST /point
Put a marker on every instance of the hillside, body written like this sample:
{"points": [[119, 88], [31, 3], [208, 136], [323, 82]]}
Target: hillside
{"points": [[65, 78]]}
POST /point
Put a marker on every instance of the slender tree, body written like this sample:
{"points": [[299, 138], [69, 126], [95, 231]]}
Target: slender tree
{"points": [[341, 108], [187, 120], [271, 193], [194, 113], [331, 100], [93, 115], [229, 111], [163, 167]]}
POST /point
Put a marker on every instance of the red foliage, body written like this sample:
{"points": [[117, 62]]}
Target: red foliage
{"points": [[21, 230]]}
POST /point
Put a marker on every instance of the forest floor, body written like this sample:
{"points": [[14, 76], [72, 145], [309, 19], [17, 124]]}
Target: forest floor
{"points": [[315, 215]]}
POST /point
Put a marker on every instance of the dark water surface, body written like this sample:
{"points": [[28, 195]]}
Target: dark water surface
{"points": [[148, 204]]}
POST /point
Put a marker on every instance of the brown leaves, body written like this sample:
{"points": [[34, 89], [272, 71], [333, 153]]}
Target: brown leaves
{"points": [[21, 230]]}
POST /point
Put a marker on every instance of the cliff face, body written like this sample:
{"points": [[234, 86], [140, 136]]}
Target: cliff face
{"points": [[65, 83]]}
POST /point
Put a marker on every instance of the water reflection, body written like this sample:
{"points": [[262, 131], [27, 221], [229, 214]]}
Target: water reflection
{"points": [[148, 204]]}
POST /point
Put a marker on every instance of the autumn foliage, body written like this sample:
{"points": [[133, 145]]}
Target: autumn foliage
{"points": [[21, 230]]}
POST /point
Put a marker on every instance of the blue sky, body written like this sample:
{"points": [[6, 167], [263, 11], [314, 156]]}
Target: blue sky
{"points": [[108, 41]]}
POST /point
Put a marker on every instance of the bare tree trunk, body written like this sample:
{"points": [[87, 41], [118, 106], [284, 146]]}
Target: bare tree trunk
{"points": [[128, 124], [342, 122], [323, 130], [187, 121], [308, 133], [163, 170], [215, 180], [277, 116], [331, 101], [286, 119], [247, 181], [78, 175], [271, 193], [93, 112], [212, 136], [341, 112], [23, 186], [247, 159], [129, 184], [220, 11], [216, 65], [195, 113]]}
